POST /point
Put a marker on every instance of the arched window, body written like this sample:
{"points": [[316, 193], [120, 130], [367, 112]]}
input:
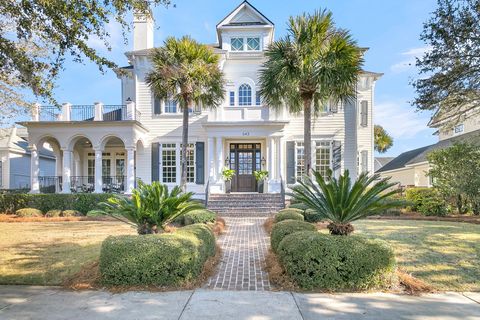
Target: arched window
{"points": [[245, 95]]}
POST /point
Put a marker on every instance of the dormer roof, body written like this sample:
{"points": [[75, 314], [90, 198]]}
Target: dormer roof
{"points": [[245, 15]]}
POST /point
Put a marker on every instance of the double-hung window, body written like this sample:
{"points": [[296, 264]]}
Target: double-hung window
{"points": [[322, 157], [169, 163], [170, 106], [232, 98], [299, 161], [190, 162]]}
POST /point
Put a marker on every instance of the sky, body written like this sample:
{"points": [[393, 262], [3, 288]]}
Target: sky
{"points": [[390, 28]]}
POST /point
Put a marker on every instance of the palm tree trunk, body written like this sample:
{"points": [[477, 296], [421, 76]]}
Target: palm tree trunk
{"points": [[183, 168], [307, 134]]}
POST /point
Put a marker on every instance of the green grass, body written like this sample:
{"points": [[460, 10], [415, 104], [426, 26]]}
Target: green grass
{"points": [[45, 253], [444, 254]]}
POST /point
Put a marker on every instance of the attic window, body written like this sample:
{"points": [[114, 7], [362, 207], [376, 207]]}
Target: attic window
{"points": [[253, 43], [237, 44], [458, 128]]}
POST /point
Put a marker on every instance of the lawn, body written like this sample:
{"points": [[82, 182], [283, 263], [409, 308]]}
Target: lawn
{"points": [[444, 254], [45, 253]]}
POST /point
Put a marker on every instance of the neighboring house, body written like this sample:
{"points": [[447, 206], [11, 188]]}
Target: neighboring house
{"points": [[107, 147], [15, 161], [380, 162], [410, 168]]}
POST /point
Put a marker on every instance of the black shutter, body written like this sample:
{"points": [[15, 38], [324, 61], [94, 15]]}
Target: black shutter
{"points": [[200, 162], [155, 161], [290, 162], [157, 106]]}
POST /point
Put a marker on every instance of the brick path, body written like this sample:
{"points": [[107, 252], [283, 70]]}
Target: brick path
{"points": [[244, 246]]}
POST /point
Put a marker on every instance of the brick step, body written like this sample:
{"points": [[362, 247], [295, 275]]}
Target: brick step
{"points": [[244, 203]]}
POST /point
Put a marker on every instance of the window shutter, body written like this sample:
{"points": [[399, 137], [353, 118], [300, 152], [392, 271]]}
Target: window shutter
{"points": [[290, 162], [364, 155], [200, 162], [155, 161], [157, 106], [336, 155], [364, 114]]}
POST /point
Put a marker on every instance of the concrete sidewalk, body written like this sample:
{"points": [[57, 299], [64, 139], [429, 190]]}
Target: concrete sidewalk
{"points": [[25, 302]]}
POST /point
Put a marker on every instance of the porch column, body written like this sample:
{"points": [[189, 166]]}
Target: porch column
{"points": [[58, 169], [211, 159], [67, 170], [221, 158], [34, 170], [271, 158], [130, 170], [278, 158], [98, 170]]}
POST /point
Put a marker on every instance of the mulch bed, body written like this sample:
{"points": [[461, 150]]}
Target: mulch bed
{"points": [[14, 218]]}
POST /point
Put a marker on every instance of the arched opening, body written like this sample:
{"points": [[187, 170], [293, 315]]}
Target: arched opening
{"points": [[82, 178], [49, 166], [114, 163]]}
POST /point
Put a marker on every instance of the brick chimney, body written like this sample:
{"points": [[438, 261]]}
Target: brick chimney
{"points": [[143, 27]]}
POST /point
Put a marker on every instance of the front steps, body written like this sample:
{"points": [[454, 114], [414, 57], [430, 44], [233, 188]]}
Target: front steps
{"points": [[246, 204]]}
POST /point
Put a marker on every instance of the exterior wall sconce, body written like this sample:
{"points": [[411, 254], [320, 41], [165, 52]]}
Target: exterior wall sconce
{"points": [[263, 162], [227, 161]]}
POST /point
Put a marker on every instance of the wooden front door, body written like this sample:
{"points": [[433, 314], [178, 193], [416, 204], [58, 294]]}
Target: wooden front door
{"points": [[245, 158]]}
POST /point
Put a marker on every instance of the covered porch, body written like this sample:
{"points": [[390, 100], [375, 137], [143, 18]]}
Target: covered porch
{"points": [[90, 156]]}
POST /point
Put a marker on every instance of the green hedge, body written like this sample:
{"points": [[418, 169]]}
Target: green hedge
{"points": [[83, 202], [312, 216], [299, 206], [321, 261], [289, 214], [198, 216], [162, 260], [283, 228], [427, 201]]}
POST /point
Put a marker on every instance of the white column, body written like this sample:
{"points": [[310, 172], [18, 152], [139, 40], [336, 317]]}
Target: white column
{"points": [[66, 111], [221, 158], [280, 156], [36, 112], [67, 170], [98, 111], [211, 159], [131, 111], [58, 169], [270, 158], [34, 170], [98, 170], [130, 170]]}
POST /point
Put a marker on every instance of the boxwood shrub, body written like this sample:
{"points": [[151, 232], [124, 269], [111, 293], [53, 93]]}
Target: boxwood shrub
{"points": [[161, 260], [283, 228], [289, 214], [299, 206], [29, 212], [53, 213], [312, 216], [198, 216], [83, 202], [427, 201], [321, 261]]}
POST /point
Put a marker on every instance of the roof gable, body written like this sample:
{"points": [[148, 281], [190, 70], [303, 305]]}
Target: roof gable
{"points": [[245, 14]]}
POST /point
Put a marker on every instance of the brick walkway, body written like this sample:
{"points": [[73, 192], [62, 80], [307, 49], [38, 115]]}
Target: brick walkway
{"points": [[244, 246]]}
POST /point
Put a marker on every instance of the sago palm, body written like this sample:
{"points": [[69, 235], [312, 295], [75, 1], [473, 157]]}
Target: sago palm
{"points": [[383, 141], [187, 72], [150, 206], [341, 202], [315, 64]]}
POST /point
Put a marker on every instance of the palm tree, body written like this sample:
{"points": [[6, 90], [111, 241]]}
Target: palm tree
{"points": [[341, 202], [315, 64], [383, 141], [187, 72]]}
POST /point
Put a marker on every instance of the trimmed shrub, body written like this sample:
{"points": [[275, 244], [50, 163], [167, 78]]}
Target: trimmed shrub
{"points": [[320, 261], [289, 214], [283, 228], [29, 212], [312, 216], [83, 202], [53, 213], [162, 260], [427, 201], [71, 213], [198, 216]]}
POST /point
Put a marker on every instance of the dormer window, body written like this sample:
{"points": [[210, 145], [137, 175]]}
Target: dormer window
{"points": [[458, 129], [237, 44], [253, 44]]}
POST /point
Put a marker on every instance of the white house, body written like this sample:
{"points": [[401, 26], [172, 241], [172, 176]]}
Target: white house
{"points": [[15, 162], [104, 147]]}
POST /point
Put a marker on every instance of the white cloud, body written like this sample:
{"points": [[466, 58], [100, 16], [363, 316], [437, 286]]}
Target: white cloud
{"points": [[400, 119], [409, 59]]}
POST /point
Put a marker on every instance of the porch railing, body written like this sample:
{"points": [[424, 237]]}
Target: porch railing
{"points": [[113, 184], [95, 112], [50, 184], [82, 184]]}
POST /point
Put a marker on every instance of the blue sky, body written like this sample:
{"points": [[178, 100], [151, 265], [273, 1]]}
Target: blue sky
{"points": [[390, 28]]}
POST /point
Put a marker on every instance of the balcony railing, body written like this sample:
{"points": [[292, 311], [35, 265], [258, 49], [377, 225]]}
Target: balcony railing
{"points": [[110, 184], [96, 112], [50, 184], [113, 184]]}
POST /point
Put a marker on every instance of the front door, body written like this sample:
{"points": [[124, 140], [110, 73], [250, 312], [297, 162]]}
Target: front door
{"points": [[245, 158]]}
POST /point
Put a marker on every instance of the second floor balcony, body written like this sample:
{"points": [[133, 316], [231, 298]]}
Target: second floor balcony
{"points": [[95, 112]]}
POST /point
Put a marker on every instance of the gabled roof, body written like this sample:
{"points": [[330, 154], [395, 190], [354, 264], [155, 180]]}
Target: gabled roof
{"points": [[419, 155], [381, 161], [245, 4]]}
